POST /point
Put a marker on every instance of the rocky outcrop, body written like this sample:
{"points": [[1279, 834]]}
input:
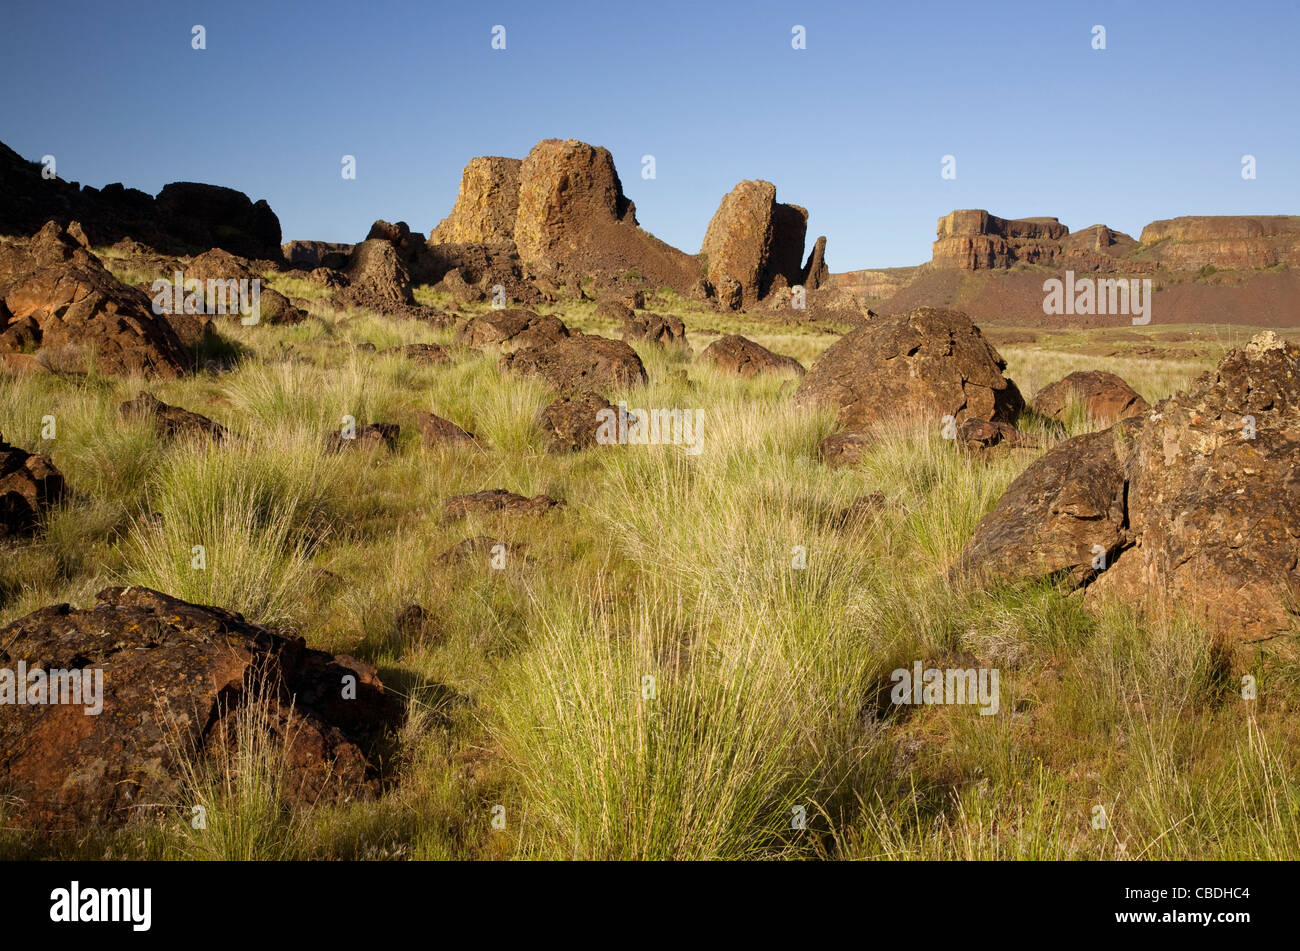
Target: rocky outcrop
{"points": [[175, 676], [1105, 397], [62, 309], [486, 206], [752, 240], [974, 240], [313, 254], [661, 330], [930, 362], [29, 485], [375, 270], [1224, 242], [1188, 507], [815, 273], [184, 218], [510, 330], [563, 210]]}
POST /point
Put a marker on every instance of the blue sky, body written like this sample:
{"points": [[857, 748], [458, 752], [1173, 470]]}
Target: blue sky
{"points": [[853, 127]]}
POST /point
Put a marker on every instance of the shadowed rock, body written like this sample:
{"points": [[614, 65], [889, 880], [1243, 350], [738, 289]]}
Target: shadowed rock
{"points": [[436, 431], [510, 329], [29, 484], [369, 436], [570, 423], [174, 676], [172, 421], [662, 331]]}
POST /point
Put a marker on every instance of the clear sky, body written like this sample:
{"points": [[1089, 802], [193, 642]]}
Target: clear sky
{"points": [[854, 127]]}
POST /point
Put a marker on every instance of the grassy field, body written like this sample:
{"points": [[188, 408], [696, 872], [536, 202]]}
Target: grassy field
{"points": [[651, 676]]}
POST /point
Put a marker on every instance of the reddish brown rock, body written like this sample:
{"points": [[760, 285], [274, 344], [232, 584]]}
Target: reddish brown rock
{"points": [[175, 676], [751, 240], [570, 423], [844, 449], [496, 502], [1105, 396], [487, 205], [79, 309], [930, 362], [662, 330], [369, 436], [375, 270], [740, 355], [172, 421], [1227, 241], [29, 485], [1192, 505], [980, 434], [436, 431], [579, 363], [510, 329]]}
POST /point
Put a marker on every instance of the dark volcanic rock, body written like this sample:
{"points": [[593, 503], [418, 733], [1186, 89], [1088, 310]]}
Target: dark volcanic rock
{"points": [[510, 329], [661, 330], [172, 420], [369, 436], [375, 270], [436, 431], [496, 501], [579, 363], [930, 362], [740, 355], [977, 434], [570, 423], [79, 310], [1193, 503], [29, 484], [751, 241], [174, 677]]}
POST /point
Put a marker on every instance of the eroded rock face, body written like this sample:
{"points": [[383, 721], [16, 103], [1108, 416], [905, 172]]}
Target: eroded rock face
{"points": [[933, 363], [751, 240], [486, 206], [1225, 241], [1105, 396], [1194, 503], [580, 363], [174, 675], [565, 187], [743, 357], [29, 484], [66, 309]]}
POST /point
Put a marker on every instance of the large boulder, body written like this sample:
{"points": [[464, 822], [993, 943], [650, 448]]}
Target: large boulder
{"points": [[743, 357], [29, 484], [562, 209], [71, 309], [580, 363], [175, 676], [571, 423], [510, 329], [930, 362], [1192, 505], [753, 239], [375, 270], [1105, 396]]}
